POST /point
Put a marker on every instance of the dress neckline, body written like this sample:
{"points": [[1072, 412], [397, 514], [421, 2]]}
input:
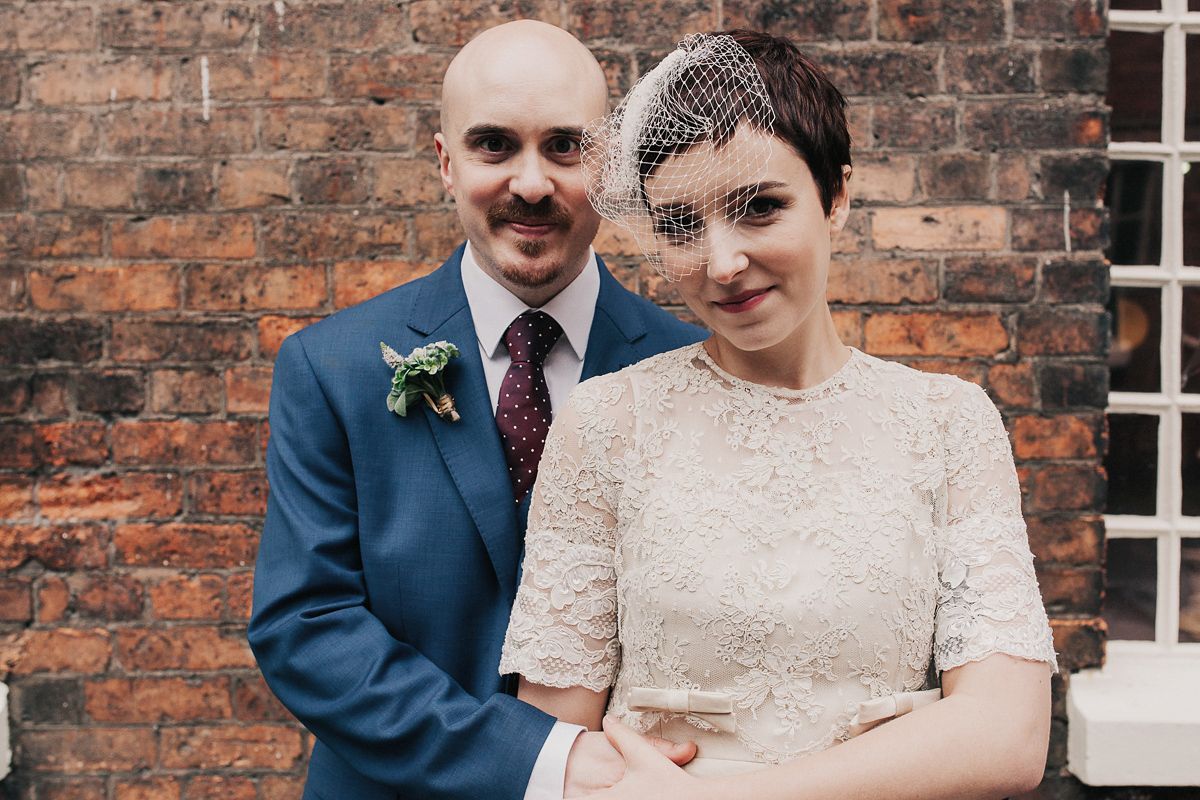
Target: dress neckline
{"points": [[831, 385]]}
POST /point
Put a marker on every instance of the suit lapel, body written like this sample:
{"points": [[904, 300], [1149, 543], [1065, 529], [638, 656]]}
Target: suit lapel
{"points": [[615, 329], [471, 447]]}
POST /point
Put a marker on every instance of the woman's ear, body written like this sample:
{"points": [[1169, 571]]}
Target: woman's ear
{"points": [[840, 210]]}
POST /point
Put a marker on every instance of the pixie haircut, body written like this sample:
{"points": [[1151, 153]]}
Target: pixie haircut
{"points": [[809, 111]]}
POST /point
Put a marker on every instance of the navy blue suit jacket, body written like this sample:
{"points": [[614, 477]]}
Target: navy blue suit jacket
{"points": [[390, 553]]}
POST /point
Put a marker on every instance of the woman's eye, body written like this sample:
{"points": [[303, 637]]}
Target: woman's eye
{"points": [[761, 206]]}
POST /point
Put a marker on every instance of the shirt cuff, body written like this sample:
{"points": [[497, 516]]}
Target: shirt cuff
{"points": [[549, 774]]}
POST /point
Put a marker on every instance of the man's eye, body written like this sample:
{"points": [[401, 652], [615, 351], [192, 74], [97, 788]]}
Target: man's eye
{"points": [[493, 144], [562, 146]]}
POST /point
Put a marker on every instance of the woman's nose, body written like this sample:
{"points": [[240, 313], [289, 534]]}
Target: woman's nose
{"points": [[726, 256]]}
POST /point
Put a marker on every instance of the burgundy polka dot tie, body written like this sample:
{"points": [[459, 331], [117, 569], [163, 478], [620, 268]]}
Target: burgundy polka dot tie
{"points": [[523, 410]]}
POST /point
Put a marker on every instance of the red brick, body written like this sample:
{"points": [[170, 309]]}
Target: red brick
{"points": [[206, 787], [181, 340], [1075, 281], [613, 240], [1058, 436], [990, 70], [1022, 125], [279, 787], [913, 125], [329, 26], [72, 443], [356, 281], [10, 80], [18, 448], [955, 176], [1070, 540], [82, 789], [152, 788], [147, 133], [193, 391], [16, 600], [69, 288], [111, 392], [54, 600], [63, 650], [12, 288], [437, 233], [158, 700], [1012, 384], [120, 496], [40, 134], [16, 498], [994, 279], [939, 228], [109, 597], [1042, 19], [1074, 69], [58, 236], [42, 189], [883, 179], [188, 236], [158, 25], [408, 182], [890, 71], [194, 597], [335, 235], [185, 545], [241, 590], [247, 390], [51, 395], [15, 393], [407, 77], [1068, 488], [200, 648], [386, 128], [235, 288], [272, 330], [12, 189], [849, 326], [56, 547], [254, 184], [273, 747], [1042, 229], [176, 188], [815, 21], [1079, 642], [885, 280], [89, 80], [49, 26], [940, 334], [273, 75], [1061, 332], [253, 702], [25, 340], [331, 181], [1012, 178], [100, 186], [939, 20], [456, 22], [87, 749], [184, 442]]}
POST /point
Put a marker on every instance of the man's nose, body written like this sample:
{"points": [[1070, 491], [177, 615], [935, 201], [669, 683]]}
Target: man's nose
{"points": [[531, 182]]}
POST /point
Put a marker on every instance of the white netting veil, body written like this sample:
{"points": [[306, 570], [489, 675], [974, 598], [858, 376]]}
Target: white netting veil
{"points": [[693, 103]]}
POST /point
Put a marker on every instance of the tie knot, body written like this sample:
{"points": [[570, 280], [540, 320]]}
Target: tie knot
{"points": [[530, 337]]}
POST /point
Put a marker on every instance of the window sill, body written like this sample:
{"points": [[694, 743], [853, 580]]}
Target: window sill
{"points": [[1136, 722], [5, 751]]}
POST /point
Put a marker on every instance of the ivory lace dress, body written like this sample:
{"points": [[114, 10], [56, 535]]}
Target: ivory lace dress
{"points": [[744, 565]]}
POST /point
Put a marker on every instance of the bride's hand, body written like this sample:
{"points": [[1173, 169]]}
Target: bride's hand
{"points": [[648, 773]]}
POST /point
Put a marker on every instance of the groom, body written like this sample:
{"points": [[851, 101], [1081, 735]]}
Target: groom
{"points": [[390, 552]]}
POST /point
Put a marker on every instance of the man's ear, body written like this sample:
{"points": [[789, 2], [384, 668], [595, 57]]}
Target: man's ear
{"points": [[443, 155], [840, 212]]}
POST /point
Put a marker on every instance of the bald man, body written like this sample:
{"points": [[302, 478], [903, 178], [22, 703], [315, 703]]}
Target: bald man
{"points": [[389, 557]]}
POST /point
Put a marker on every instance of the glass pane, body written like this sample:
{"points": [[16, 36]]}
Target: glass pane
{"points": [[1191, 214], [1135, 85], [1189, 344], [1134, 199], [1131, 567], [1189, 591], [1193, 5], [1137, 5], [1132, 464], [1191, 103], [1190, 465], [1133, 357]]}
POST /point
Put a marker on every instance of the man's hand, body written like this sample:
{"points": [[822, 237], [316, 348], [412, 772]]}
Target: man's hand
{"points": [[594, 764]]}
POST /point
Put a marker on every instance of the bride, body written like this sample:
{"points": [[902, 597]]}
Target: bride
{"points": [[771, 543]]}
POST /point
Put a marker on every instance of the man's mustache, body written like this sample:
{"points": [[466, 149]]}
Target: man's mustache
{"points": [[544, 212]]}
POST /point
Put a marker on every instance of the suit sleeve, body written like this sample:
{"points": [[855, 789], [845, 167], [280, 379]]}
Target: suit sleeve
{"points": [[374, 700]]}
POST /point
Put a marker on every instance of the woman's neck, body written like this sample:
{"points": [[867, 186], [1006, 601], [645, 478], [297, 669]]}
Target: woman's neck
{"points": [[799, 362]]}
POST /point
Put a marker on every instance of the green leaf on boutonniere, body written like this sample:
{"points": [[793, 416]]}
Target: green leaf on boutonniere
{"points": [[420, 375]]}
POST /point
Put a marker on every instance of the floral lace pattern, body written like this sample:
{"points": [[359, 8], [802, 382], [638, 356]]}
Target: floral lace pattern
{"points": [[801, 551]]}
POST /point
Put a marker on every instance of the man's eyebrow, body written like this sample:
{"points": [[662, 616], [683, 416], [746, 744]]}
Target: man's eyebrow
{"points": [[573, 132], [486, 129]]}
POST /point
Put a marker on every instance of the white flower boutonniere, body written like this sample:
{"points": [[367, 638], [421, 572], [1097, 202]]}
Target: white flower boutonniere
{"points": [[420, 374]]}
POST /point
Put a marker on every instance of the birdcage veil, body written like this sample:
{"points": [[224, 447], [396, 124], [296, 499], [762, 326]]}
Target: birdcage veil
{"points": [[700, 93]]}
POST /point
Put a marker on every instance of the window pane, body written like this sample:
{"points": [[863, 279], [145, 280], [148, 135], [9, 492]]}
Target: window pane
{"points": [[1134, 199], [1189, 344], [1133, 357], [1132, 464], [1131, 567], [1138, 5], [1191, 214], [1189, 591], [1191, 103], [1135, 85], [1191, 465]]}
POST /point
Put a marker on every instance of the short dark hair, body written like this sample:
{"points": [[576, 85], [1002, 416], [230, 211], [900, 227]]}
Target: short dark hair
{"points": [[810, 112]]}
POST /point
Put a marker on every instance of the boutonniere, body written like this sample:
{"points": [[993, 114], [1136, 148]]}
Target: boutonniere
{"points": [[419, 374]]}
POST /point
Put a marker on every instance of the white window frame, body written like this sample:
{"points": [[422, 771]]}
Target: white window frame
{"points": [[1136, 722]]}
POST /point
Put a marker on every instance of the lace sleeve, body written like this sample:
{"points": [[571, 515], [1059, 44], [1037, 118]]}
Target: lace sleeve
{"points": [[988, 600], [563, 628]]}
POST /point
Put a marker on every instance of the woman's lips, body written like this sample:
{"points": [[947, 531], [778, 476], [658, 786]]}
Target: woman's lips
{"points": [[743, 301]]}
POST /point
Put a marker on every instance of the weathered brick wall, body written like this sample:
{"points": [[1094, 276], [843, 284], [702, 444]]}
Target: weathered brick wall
{"points": [[182, 184]]}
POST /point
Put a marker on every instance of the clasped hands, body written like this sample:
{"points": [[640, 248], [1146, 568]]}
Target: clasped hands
{"points": [[621, 764]]}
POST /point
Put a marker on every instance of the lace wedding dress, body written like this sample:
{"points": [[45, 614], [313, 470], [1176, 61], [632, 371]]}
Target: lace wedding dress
{"points": [[746, 566]]}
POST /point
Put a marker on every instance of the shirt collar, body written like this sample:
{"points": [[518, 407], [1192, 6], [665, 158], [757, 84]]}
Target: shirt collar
{"points": [[494, 307]]}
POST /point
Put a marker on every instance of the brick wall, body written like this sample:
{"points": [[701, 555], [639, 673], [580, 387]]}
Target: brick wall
{"points": [[182, 184]]}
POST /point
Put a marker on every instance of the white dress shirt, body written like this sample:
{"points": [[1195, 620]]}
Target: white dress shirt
{"points": [[493, 308]]}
